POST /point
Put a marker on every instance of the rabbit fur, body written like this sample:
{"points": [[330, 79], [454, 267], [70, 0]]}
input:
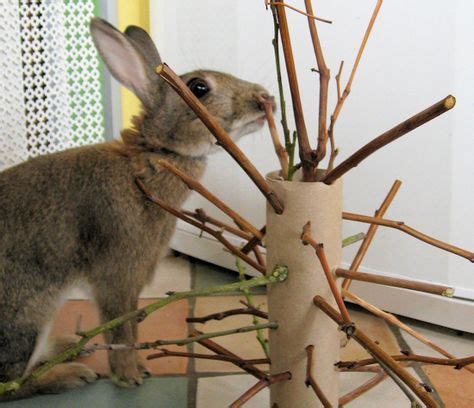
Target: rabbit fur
{"points": [[77, 216]]}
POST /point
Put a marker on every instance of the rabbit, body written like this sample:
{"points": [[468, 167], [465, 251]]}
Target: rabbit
{"points": [[77, 216]]}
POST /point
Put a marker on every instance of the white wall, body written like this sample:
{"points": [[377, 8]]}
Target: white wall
{"points": [[418, 53]]}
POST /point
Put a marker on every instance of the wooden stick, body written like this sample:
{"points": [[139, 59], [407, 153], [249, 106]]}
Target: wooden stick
{"points": [[220, 134], [371, 232], [307, 239], [389, 136], [195, 185], [200, 215], [334, 150], [456, 362], [218, 349], [310, 381], [280, 151], [324, 76], [371, 383], [396, 282], [255, 389], [253, 242], [169, 353], [400, 225], [377, 352], [216, 234], [390, 318], [232, 312], [259, 257], [309, 15], [347, 90], [306, 154]]}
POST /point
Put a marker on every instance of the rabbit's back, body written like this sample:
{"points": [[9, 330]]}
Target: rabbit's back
{"points": [[78, 213]]}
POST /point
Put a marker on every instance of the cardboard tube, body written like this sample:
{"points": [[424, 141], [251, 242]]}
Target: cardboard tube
{"points": [[291, 303]]}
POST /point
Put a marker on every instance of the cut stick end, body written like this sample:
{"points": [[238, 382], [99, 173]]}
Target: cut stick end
{"points": [[449, 102], [159, 69]]}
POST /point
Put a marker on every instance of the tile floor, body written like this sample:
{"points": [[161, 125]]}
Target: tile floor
{"points": [[177, 382]]}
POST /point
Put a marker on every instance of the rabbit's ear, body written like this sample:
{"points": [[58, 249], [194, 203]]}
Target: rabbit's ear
{"points": [[144, 44], [122, 58]]}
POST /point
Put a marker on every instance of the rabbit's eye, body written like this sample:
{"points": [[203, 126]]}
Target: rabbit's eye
{"points": [[198, 87]]}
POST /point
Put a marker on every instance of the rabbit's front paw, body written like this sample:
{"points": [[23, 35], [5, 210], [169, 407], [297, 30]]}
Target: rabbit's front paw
{"points": [[124, 369]]}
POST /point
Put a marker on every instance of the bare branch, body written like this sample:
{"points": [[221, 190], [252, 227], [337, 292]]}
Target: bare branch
{"points": [[216, 234], [371, 232], [280, 151], [389, 136], [310, 381], [347, 90], [396, 282], [400, 225], [390, 318], [371, 383], [384, 359], [232, 312], [324, 76], [307, 239], [309, 15], [306, 154]]}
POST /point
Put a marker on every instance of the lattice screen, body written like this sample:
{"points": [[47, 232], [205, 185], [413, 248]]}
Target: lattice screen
{"points": [[50, 81]]}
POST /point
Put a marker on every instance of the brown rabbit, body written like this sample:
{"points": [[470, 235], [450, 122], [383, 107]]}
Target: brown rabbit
{"points": [[77, 216]]}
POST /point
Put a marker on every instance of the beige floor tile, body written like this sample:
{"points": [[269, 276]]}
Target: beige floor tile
{"points": [[376, 329], [218, 392], [172, 273], [455, 387], [386, 394], [167, 323], [245, 344]]}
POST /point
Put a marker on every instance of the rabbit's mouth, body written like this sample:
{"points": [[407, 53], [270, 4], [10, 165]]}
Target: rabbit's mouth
{"points": [[247, 125]]}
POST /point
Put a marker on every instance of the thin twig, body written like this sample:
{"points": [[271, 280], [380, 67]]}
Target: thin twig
{"points": [[389, 136], [252, 243], [390, 318], [347, 89], [248, 297], [280, 151], [195, 185], [400, 225], [307, 239], [306, 154], [220, 134], [259, 257], [396, 282], [179, 342], [279, 274], [168, 353], [309, 15], [384, 359], [457, 363], [334, 149], [371, 231], [310, 381], [232, 312], [260, 385], [216, 234], [324, 76], [357, 392], [200, 215], [218, 349]]}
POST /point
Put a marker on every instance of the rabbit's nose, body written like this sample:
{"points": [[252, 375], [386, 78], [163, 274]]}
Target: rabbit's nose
{"points": [[264, 98]]}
